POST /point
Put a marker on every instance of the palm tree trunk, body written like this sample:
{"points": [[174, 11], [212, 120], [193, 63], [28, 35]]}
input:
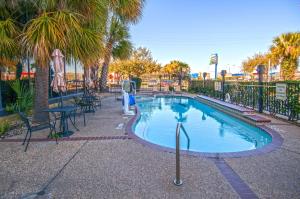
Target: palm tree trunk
{"points": [[41, 94], [94, 74], [105, 66]]}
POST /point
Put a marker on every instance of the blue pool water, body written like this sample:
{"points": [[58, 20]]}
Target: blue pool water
{"points": [[209, 129]]}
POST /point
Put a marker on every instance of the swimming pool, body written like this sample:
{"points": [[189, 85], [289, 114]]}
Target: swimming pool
{"points": [[210, 130]]}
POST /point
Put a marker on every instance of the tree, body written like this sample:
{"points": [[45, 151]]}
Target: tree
{"points": [[177, 69], [251, 63], [141, 62], [9, 45], [286, 51], [118, 45], [73, 26], [121, 12]]}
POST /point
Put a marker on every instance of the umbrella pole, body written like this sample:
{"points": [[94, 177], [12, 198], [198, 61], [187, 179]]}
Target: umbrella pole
{"points": [[61, 99]]}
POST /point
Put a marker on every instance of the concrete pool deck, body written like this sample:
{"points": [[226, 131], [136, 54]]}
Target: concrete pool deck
{"points": [[118, 167]]}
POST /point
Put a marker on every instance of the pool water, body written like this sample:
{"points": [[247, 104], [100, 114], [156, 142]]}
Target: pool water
{"points": [[209, 129]]}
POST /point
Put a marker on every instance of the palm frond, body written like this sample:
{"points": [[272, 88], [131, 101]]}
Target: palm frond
{"points": [[123, 50], [9, 45], [42, 35], [128, 10]]}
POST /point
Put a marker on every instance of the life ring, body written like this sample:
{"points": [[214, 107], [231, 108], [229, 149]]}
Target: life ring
{"points": [[227, 97]]}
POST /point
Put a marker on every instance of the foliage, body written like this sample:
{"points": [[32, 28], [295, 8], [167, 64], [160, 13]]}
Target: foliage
{"points": [[117, 44], [177, 69], [286, 50], [24, 100], [251, 63], [9, 46], [245, 94], [138, 82], [140, 62], [36, 28], [4, 127]]}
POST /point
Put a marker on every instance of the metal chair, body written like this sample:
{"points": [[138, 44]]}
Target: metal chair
{"points": [[78, 112], [31, 127]]}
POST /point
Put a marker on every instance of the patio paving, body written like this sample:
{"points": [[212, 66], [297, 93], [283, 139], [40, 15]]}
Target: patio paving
{"points": [[124, 168]]}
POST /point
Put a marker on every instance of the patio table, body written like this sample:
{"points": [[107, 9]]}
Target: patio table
{"points": [[64, 111]]}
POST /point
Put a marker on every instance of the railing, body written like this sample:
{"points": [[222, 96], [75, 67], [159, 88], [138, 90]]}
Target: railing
{"points": [[246, 94], [177, 180]]}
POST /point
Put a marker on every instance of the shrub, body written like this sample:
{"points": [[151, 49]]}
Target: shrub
{"points": [[4, 127], [24, 100], [138, 82]]}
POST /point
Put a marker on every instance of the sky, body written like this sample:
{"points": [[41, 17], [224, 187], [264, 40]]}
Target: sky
{"points": [[192, 30]]}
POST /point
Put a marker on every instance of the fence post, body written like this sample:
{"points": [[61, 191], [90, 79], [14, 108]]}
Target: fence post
{"points": [[2, 112], [260, 70], [223, 73], [204, 77]]}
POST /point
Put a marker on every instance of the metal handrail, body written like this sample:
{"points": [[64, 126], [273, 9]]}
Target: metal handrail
{"points": [[177, 180]]}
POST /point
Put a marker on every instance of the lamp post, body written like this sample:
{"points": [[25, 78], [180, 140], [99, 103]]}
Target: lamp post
{"points": [[223, 73], [260, 70], [204, 77]]}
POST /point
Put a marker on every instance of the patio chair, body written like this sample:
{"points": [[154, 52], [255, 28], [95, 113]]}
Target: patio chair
{"points": [[31, 127], [78, 112], [88, 104], [96, 99]]}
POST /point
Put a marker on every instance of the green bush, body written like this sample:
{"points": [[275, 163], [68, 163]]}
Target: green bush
{"points": [[4, 127], [138, 82], [9, 96], [24, 99]]}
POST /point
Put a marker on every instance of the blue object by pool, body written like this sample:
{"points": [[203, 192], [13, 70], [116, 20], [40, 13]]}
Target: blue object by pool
{"points": [[209, 129], [131, 100]]}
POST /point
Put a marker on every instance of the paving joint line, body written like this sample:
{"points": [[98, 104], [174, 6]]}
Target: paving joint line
{"points": [[290, 150], [236, 182], [42, 191], [117, 137]]}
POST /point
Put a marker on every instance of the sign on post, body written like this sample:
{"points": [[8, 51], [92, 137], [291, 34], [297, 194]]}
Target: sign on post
{"points": [[218, 86], [213, 59], [281, 91]]}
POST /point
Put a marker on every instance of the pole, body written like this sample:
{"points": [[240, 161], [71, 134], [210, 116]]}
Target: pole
{"points": [[76, 76], [27, 54], [177, 180], [269, 67], [216, 66], [260, 71], [28, 68], [223, 73], [216, 71], [2, 112]]}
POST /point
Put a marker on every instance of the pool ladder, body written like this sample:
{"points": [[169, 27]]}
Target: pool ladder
{"points": [[179, 127]]}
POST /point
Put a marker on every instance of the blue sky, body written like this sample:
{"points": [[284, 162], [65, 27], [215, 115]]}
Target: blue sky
{"points": [[191, 30]]}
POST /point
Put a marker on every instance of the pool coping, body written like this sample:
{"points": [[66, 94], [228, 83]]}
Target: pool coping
{"points": [[277, 140]]}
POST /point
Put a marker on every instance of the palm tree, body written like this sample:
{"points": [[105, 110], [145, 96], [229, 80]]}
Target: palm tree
{"points": [[118, 46], [177, 69], [8, 47], [286, 51], [121, 12], [62, 26]]}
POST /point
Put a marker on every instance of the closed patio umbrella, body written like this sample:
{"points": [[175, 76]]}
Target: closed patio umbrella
{"points": [[58, 83], [88, 81]]}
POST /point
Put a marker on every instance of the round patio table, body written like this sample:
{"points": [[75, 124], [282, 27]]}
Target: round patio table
{"points": [[64, 113]]}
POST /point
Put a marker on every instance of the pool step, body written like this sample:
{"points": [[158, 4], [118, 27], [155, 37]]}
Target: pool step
{"points": [[243, 113], [258, 119]]}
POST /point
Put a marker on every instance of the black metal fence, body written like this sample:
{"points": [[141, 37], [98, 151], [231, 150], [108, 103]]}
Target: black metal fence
{"points": [[9, 96], [246, 94]]}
